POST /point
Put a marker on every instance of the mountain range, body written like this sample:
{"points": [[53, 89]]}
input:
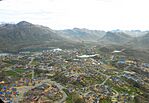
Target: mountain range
{"points": [[115, 38], [25, 35], [78, 34]]}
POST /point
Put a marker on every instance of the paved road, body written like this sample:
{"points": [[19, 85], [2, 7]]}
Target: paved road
{"points": [[115, 92], [32, 58], [24, 89], [108, 77], [60, 87]]}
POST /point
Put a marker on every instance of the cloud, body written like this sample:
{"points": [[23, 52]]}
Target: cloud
{"points": [[93, 14]]}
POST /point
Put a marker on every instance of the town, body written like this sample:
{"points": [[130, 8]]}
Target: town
{"points": [[84, 75]]}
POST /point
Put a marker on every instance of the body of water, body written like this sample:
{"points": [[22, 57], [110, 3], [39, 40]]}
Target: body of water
{"points": [[4, 54]]}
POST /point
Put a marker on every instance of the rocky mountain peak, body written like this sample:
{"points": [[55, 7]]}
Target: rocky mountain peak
{"points": [[24, 23]]}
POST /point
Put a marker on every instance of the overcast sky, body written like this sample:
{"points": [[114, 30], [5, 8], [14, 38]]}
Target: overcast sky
{"points": [[91, 14]]}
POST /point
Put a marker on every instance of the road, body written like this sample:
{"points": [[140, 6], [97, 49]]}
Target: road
{"points": [[108, 77], [24, 89], [60, 87], [32, 58], [115, 92]]}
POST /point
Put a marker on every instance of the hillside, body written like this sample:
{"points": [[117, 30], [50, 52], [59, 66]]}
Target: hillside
{"points": [[140, 42], [27, 35], [115, 38], [81, 34], [24, 34]]}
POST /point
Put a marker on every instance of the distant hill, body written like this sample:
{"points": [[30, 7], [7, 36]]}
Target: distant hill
{"points": [[81, 34], [115, 38], [136, 33], [27, 35], [140, 42], [23, 34]]}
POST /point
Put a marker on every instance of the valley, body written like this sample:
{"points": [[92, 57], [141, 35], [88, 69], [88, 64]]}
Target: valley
{"points": [[84, 75], [41, 65]]}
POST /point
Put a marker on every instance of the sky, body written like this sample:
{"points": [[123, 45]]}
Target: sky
{"points": [[67, 14]]}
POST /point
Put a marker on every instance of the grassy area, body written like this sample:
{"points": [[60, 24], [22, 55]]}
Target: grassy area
{"points": [[12, 62], [12, 74], [20, 70], [73, 97], [94, 80], [34, 62], [69, 98], [15, 73], [105, 101], [29, 76], [108, 66]]}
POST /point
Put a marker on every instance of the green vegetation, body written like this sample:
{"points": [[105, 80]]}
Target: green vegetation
{"points": [[12, 62], [34, 62], [11, 74], [16, 73], [19, 70], [73, 97], [107, 100], [60, 78]]}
